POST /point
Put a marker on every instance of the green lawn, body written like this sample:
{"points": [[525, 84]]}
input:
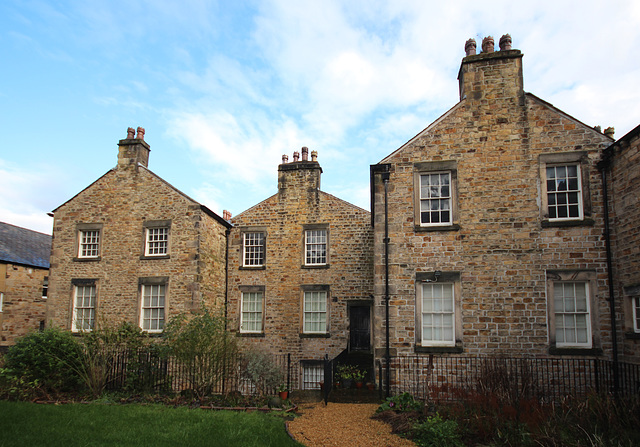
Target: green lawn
{"points": [[27, 424]]}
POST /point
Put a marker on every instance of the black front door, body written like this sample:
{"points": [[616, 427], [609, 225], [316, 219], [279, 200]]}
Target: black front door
{"points": [[359, 324]]}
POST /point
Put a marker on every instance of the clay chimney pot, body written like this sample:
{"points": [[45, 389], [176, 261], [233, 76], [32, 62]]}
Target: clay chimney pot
{"points": [[505, 43], [470, 47], [488, 44]]}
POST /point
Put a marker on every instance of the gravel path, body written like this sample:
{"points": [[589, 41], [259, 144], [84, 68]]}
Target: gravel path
{"points": [[342, 425]]}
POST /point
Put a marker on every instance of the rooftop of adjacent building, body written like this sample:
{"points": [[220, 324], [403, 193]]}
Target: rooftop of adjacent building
{"points": [[22, 246]]}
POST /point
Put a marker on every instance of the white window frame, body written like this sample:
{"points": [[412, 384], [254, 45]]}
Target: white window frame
{"points": [[560, 187], [315, 304], [156, 241], [312, 375], [84, 312], [252, 312], [314, 241], [440, 194], [148, 306], [89, 243], [45, 287], [253, 249], [438, 309], [635, 303], [1, 300], [572, 313]]}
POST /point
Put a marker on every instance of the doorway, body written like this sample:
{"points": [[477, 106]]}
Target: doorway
{"points": [[360, 328]]}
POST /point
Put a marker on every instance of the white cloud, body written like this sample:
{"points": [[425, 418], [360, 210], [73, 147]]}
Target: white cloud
{"points": [[25, 194]]}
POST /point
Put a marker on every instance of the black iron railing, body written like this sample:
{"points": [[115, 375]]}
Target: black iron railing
{"points": [[442, 378]]}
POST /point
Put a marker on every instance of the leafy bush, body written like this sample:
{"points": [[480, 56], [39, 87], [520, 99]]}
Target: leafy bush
{"points": [[260, 368], [401, 403], [49, 358], [202, 344], [436, 431]]}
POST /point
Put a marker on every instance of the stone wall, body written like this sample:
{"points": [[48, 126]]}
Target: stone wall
{"points": [[500, 245], [623, 173], [122, 202], [282, 218], [23, 307]]}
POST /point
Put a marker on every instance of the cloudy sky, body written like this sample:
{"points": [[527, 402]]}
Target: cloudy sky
{"points": [[224, 88]]}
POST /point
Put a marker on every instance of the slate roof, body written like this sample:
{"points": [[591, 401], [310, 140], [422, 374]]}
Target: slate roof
{"points": [[21, 246]]}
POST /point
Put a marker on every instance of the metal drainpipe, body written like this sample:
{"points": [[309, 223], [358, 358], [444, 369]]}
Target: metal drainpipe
{"points": [[385, 179], [226, 277], [612, 305]]}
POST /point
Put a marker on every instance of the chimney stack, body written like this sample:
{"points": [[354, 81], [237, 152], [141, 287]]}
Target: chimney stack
{"points": [[133, 151], [226, 215], [491, 74]]}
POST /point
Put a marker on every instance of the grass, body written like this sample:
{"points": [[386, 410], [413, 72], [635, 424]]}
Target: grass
{"points": [[23, 423]]}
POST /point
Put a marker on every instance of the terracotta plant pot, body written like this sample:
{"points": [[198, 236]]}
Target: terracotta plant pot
{"points": [[283, 394]]}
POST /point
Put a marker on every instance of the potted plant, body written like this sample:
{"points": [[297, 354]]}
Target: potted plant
{"points": [[348, 374], [283, 392], [358, 377]]}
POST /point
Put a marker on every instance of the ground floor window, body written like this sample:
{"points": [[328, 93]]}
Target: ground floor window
{"points": [[312, 375], [153, 307], [636, 314], [84, 308]]}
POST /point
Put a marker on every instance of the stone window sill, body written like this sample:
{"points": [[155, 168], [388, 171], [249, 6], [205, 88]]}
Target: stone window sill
{"points": [[567, 223], [96, 259], [325, 335], [143, 258], [454, 227], [438, 349], [575, 351]]}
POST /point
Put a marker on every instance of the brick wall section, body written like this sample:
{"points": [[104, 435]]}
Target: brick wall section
{"points": [[624, 193], [122, 200], [495, 134], [300, 202], [23, 307]]}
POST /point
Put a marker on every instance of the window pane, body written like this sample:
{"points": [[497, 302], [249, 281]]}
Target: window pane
{"points": [[435, 193], [438, 314], [153, 301], [572, 313]]}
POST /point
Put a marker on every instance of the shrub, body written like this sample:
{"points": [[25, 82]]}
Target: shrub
{"points": [[260, 368], [204, 347], [401, 403], [49, 358], [436, 431]]}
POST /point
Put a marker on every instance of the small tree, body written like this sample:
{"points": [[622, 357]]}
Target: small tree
{"points": [[204, 347]]}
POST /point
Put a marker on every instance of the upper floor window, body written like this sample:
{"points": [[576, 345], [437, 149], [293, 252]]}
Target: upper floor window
{"points": [[84, 307], [89, 243], [253, 249], [157, 241], [435, 196], [45, 287], [564, 187], [315, 247], [564, 192]]}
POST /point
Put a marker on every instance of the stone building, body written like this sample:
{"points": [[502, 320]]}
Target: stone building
{"points": [[24, 270], [300, 273], [620, 166], [494, 215], [131, 247]]}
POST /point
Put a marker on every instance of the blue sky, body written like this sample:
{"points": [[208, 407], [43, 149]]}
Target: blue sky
{"points": [[225, 88]]}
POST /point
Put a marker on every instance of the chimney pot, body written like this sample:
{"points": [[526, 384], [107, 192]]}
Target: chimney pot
{"points": [[470, 47], [488, 44], [285, 159], [505, 43], [226, 215], [296, 156], [597, 129], [305, 153], [314, 156], [140, 135], [609, 131], [130, 133]]}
